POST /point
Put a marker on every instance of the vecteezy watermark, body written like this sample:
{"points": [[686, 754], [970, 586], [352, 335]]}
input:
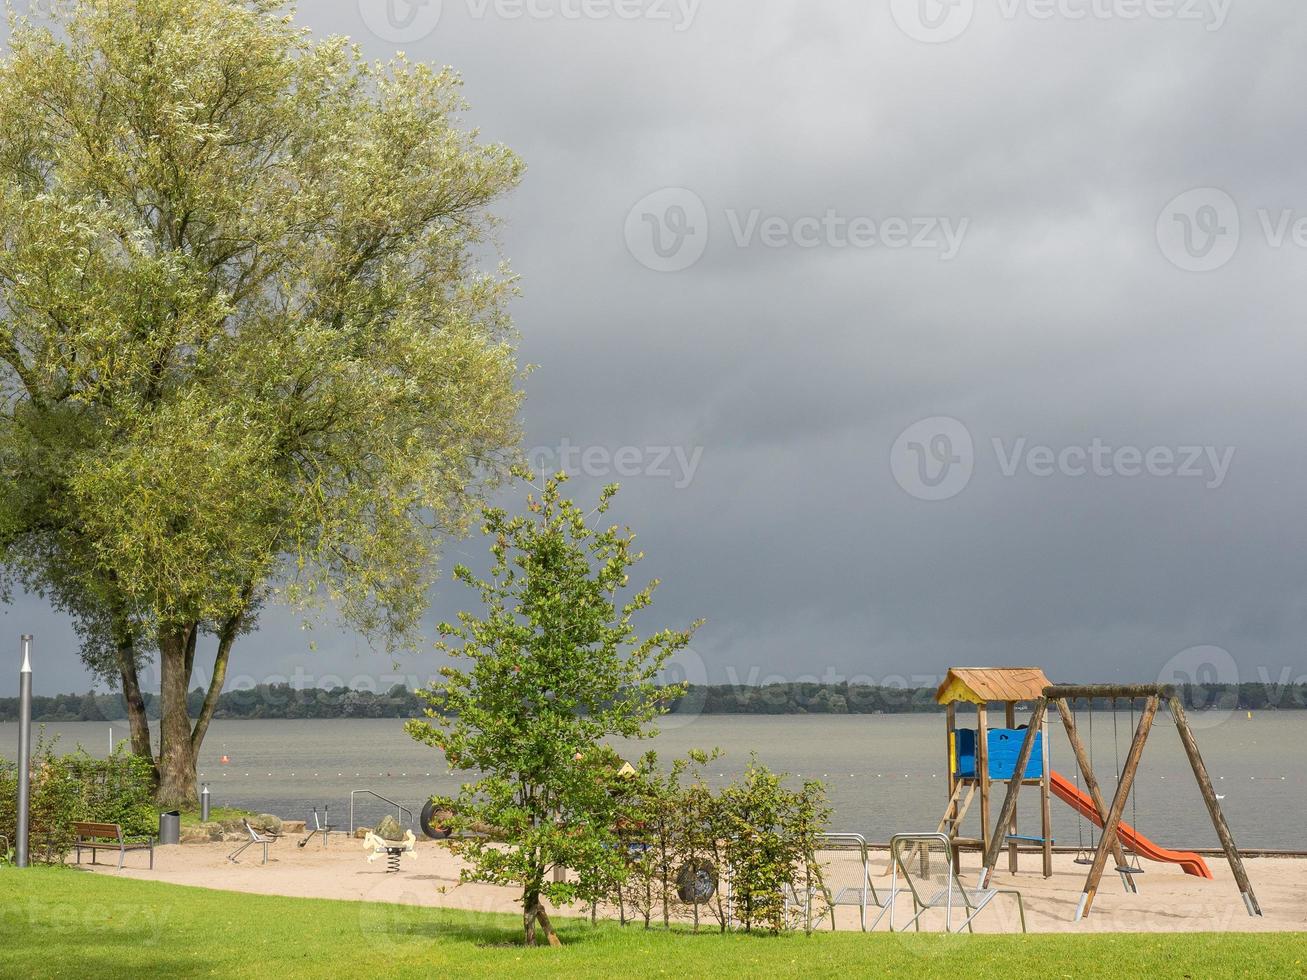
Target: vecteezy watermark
{"points": [[1198, 231], [1201, 229], [84, 920], [937, 233], [675, 463], [934, 459], [679, 14], [1211, 679], [685, 666], [400, 21], [939, 21], [405, 21], [668, 230]]}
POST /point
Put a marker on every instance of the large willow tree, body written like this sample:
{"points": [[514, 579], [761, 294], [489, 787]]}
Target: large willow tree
{"points": [[246, 348]]}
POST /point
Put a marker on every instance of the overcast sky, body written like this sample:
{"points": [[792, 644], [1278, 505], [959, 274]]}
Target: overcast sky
{"points": [[921, 334]]}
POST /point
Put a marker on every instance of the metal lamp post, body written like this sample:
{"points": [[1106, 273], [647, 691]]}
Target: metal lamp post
{"points": [[24, 751]]}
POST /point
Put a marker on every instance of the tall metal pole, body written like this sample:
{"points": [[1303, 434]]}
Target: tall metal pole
{"points": [[24, 751]]}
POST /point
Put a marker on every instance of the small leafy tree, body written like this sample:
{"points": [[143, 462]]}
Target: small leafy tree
{"points": [[553, 668], [771, 845]]}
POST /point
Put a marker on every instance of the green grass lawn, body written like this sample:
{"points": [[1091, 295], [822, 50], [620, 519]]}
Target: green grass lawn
{"points": [[216, 813], [57, 922]]}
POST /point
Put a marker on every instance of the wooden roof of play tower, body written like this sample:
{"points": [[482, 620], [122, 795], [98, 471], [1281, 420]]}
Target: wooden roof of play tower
{"points": [[981, 684]]}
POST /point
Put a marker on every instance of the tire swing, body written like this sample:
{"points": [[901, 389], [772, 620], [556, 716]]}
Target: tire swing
{"points": [[435, 820], [696, 881]]}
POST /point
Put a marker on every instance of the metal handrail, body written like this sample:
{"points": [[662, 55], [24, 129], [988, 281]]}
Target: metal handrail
{"points": [[399, 816]]}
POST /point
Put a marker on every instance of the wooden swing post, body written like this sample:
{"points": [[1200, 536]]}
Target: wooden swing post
{"points": [[1091, 782], [1213, 807], [1113, 820], [1006, 815]]}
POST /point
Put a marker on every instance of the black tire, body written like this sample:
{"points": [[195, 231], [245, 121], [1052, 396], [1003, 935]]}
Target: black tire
{"points": [[696, 881], [432, 823]]}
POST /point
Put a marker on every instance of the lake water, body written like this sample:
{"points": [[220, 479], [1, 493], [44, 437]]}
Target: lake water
{"points": [[885, 773]]}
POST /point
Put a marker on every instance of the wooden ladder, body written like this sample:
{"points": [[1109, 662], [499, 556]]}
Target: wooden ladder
{"points": [[954, 813]]}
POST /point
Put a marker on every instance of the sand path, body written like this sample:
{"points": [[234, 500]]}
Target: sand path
{"points": [[1168, 900]]}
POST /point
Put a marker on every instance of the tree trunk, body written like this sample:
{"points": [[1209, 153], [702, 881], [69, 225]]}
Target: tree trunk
{"points": [[548, 926], [530, 902], [226, 637], [132, 697], [533, 912], [176, 756]]}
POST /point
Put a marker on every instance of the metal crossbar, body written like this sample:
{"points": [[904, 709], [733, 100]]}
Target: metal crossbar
{"points": [[400, 808]]}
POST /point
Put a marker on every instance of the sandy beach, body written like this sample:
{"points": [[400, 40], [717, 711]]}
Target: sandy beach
{"points": [[1167, 900]]}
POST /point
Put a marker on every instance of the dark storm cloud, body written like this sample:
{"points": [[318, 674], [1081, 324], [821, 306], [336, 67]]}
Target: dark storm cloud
{"points": [[1055, 145]]}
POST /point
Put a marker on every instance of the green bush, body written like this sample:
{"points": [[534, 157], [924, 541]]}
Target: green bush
{"points": [[67, 788], [744, 853]]}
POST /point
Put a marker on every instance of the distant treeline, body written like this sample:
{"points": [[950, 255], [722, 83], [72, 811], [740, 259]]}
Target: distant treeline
{"points": [[284, 701]]}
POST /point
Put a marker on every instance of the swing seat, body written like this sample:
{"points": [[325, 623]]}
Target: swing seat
{"points": [[1029, 838]]}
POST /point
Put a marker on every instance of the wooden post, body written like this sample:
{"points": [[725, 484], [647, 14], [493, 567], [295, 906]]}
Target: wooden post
{"points": [[1213, 807], [1045, 811], [950, 754], [982, 771], [1113, 820], [1010, 722], [992, 848], [1091, 783]]}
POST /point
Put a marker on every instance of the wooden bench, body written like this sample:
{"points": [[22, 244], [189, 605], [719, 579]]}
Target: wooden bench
{"points": [[107, 837]]}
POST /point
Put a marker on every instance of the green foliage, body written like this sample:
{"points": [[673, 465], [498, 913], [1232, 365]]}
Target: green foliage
{"points": [[73, 787], [754, 833], [771, 845], [554, 668], [246, 347]]}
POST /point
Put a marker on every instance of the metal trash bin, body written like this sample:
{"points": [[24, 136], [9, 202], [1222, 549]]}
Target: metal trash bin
{"points": [[170, 827]]}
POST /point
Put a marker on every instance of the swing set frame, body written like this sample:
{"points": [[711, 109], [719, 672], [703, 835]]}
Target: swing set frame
{"points": [[1060, 696]]}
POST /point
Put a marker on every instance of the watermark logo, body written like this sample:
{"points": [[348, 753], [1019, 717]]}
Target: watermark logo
{"points": [[685, 667], [936, 233], [1198, 231], [676, 463], [939, 21], [1212, 678], [401, 21], [932, 21], [667, 231], [679, 13], [933, 459]]}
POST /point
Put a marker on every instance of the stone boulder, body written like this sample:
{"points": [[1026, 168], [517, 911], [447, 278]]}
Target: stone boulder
{"points": [[201, 833], [266, 822], [389, 829]]}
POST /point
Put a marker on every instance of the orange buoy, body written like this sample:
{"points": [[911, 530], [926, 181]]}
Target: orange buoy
{"points": [[225, 761]]}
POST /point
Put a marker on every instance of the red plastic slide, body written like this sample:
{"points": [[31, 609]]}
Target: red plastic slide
{"points": [[1190, 863]]}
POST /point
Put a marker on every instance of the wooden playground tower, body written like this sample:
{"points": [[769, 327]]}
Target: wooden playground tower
{"points": [[1011, 685], [981, 687]]}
